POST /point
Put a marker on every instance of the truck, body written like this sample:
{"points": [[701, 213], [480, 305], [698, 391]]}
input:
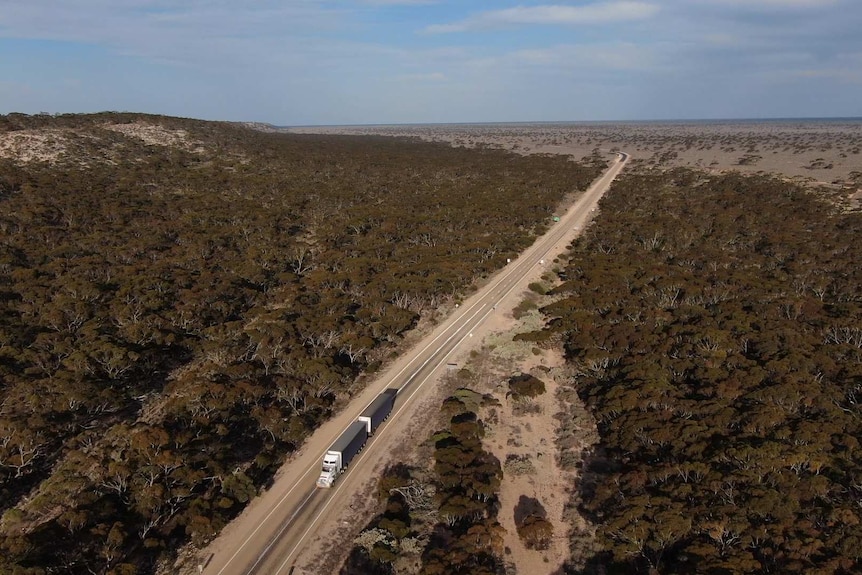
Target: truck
{"points": [[341, 453], [378, 410]]}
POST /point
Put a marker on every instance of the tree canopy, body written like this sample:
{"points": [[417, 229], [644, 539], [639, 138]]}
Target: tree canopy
{"points": [[176, 316], [715, 327]]}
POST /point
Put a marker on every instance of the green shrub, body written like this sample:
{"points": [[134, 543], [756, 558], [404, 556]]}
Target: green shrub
{"points": [[525, 386]]}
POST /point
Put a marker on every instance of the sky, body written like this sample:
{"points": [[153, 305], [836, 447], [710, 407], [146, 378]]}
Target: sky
{"points": [[319, 62]]}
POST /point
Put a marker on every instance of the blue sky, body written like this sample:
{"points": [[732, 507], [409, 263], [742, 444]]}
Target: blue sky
{"points": [[294, 62]]}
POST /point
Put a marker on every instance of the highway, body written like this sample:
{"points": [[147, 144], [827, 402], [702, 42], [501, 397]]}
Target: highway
{"points": [[268, 537]]}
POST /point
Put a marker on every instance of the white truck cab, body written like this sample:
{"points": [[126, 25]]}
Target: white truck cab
{"points": [[331, 467]]}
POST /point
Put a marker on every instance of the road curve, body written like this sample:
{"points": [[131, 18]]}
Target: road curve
{"points": [[267, 539]]}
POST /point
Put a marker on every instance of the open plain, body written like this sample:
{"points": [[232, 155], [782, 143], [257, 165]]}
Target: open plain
{"points": [[807, 151]]}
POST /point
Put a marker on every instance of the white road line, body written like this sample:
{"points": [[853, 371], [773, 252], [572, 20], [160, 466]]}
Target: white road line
{"points": [[277, 536], [263, 522], [448, 339], [375, 436], [521, 261], [427, 377]]}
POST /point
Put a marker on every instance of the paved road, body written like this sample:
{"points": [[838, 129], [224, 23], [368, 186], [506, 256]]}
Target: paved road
{"points": [[290, 516]]}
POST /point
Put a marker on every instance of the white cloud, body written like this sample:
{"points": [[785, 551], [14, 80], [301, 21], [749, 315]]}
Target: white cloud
{"points": [[585, 66], [776, 4], [552, 14], [840, 74], [157, 28], [399, 2], [621, 56], [722, 40]]}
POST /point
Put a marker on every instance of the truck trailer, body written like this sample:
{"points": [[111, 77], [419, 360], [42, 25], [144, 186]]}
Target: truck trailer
{"points": [[342, 452], [378, 410]]}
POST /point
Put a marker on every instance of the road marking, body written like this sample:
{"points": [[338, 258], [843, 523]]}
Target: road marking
{"points": [[263, 522], [315, 465], [359, 458], [505, 276], [436, 351], [277, 536]]}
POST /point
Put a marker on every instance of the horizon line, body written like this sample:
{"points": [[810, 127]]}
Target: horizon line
{"points": [[556, 122]]}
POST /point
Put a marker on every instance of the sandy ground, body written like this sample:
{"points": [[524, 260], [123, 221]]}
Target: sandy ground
{"points": [[529, 436], [27, 146], [156, 135], [57, 145]]}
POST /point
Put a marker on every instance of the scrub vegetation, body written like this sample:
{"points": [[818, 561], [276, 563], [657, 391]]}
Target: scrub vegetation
{"points": [[444, 519], [182, 302], [711, 327], [714, 326]]}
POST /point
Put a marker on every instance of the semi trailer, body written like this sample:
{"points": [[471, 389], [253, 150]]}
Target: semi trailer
{"points": [[341, 453], [378, 410]]}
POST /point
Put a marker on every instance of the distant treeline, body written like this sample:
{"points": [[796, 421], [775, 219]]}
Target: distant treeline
{"points": [[175, 319], [715, 326]]}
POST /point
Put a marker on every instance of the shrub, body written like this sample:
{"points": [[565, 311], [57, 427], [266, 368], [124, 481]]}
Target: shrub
{"points": [[519, 465], [525, 386], [533, 528], [523, 308]]}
